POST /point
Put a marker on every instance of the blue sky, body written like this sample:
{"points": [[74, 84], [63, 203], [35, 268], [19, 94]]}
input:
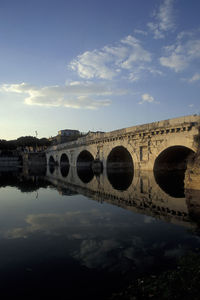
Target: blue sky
{"points": [[96, 65]]}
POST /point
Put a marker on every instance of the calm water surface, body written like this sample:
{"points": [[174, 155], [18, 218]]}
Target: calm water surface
{"points": [[67, 234]]}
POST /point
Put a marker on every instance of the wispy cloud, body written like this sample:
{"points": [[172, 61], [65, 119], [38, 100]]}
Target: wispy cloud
{"points": [[111, 61], [129, 58], [77, 95], [179, 55], [139, 31], [195, 77], [163, 20], [146, 98]]}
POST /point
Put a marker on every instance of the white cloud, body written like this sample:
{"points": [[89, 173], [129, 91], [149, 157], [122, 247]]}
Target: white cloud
{"points": [[110, 61], [146, 98], [164, 20], [94, 64], [174, 61], [78, 95]]}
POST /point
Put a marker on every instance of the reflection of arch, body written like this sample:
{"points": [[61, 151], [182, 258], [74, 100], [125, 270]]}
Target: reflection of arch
{"points": [[120, 179], [51, 168], [173, 158], [51, 160], [64, 165], [120, 168], [171, 182], [85, 174], [169, 169], [84, 166]]}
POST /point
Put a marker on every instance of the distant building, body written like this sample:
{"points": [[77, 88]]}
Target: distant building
{"points": [[64, 136], [68, 132]]}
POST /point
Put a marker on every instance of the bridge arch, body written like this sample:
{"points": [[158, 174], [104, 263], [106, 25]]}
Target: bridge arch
{"points": [[169, 169], [173, 158], [173, 141]]}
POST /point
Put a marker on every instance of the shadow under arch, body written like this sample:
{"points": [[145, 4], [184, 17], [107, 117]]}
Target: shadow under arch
{"points": [[120, 168], [64, 165], [169, 169], [84, 166]]}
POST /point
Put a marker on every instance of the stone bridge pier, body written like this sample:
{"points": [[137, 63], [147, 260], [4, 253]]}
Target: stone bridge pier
{"points": [[163, 145]]}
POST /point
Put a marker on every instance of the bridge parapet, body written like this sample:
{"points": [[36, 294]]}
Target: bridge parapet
{"points": [[160, 128]]}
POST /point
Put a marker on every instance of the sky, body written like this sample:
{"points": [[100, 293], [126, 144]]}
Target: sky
{"points": [[97, 65]]}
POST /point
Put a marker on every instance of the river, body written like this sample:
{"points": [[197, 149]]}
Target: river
{"points": [[67, 233]]}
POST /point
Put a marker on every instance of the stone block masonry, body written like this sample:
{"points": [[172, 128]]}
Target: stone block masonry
{"points": [[146, 147]]}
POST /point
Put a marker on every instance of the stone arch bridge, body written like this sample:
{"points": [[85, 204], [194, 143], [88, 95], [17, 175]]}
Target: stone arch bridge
{"points": [[159, 145]]}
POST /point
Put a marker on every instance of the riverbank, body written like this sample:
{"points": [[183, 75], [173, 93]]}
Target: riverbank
{"points": [[179, 283], [10, 161]]}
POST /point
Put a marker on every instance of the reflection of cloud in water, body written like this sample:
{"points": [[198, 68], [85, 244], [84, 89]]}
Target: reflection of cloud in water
{"points": [[74, 224], [52, 223], [175, 252], [149, 220], [94, 253], [102, 246], [104, 240], [114, 254]]}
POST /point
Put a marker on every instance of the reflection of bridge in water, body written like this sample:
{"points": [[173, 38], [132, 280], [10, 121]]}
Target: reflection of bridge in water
{"points": [[141, 195]]}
